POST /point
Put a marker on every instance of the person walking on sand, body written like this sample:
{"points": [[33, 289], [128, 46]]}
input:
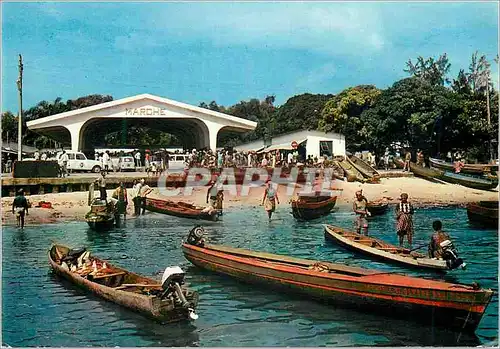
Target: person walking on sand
{"points": [[404, 220], [101, 181], [20, 208], [359, 208], [270, 199], [216, 195]]}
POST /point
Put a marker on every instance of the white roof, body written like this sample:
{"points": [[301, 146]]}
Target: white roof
{"points": [[248, 123]]}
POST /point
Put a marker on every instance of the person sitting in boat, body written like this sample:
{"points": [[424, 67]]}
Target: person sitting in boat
{"points": [[270, 198], [359, 208], [120, 194], [404, 220], [435, 249]]}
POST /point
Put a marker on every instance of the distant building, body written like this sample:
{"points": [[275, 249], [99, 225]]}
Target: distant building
{"points": [[315, 143]]}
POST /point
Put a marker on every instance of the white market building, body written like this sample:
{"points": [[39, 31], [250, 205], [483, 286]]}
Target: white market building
{"points": [[316, 143]]}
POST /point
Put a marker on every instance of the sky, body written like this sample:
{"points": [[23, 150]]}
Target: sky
{"points": [[196, 52]]}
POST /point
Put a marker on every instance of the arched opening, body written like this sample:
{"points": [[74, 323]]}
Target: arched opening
{"points": [[144, 132], [229, 137], [59, 134]]}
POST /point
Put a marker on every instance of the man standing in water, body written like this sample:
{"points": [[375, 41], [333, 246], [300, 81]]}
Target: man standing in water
{"points": [[404, 220], [270, 198], [102, 185], [120, 194], [359, 208], [20, 208]]}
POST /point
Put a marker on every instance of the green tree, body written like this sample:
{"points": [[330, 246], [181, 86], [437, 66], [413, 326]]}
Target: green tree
{"points": [[9, 126], [434, 72], [342, 113]]}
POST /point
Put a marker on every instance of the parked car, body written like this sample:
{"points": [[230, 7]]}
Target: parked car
{"points": [[79, 162], [126, 163], [178, 162]]}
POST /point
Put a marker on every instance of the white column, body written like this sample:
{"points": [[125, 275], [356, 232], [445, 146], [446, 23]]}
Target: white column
{"points": [[75, 131], [213, 130]]}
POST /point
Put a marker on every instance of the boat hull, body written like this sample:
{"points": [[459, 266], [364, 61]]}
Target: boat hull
{"points": [[405, 257], [483, 213], [469, 181], [363, 167], [307, 211], [149, 306], [161, 206], [101, 224], [370, 292], [377, 209], [476, 169]]}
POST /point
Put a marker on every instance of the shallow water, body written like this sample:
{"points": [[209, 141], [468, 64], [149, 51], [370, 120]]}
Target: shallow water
{"points": [[40, 309]]}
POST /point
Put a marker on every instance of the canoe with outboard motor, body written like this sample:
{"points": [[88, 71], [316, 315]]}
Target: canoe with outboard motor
{"points": [[169, 301], [456, 306], [380, 249]]}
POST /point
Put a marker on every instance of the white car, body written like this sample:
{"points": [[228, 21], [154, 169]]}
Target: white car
{"points": [[177, 162], [126, 163], [79, 162]]}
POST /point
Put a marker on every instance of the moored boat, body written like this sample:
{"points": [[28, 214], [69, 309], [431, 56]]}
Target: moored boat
{"points": [[307, 207], [363, 167], [483, 213], [377, 208], [101, 216], [168, 301], [180, 209], [420, 171], [477, 169], [482, 183], [380, 249], [352, 173], [440, 303]]}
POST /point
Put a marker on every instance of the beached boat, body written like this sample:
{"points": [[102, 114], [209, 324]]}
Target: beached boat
{"points": [[364, 167], [440, 303], [482, 183], [351, 173], [168, 301], [477, 169], [180, 209], [380, 249], [483, 213], [417, 170], [377, 208], [307, 207]]}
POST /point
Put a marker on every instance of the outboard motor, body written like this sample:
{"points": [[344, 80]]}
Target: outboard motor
{"points": [[450, 255], [173, 278], [195, 236]]}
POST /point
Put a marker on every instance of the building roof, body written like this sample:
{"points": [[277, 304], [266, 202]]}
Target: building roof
{"points": [[93, 108]]}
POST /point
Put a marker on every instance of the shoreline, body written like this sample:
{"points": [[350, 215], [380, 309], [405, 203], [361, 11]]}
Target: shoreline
{"points": [[69, 207]]}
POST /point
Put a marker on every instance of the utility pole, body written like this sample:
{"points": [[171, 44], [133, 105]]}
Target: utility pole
{"points": [[20, 120]]}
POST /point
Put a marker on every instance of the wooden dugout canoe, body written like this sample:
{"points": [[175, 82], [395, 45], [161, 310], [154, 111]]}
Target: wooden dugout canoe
{"points": [[440, 303], [179, 209], [311, 207], [477, 169], [351, 172], [138, 293], [425, 172], [483, 213], [380, 249], [377, 208], [363, 167], [481, 183]]}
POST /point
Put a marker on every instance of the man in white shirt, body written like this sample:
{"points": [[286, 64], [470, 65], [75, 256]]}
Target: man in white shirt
{"points": [[37, 155], [105, 161], [137, 157], [290, 158], [63, 162]]}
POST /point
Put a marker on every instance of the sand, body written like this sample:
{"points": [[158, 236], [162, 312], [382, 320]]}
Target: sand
{"points": [[73, 206]]}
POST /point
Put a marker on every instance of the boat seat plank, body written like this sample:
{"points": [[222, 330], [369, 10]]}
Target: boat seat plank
{"points": [[122, 286], [109, 275]]}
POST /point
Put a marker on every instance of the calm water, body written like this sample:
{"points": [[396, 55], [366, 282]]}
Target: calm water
{"points": [[39, 309]]}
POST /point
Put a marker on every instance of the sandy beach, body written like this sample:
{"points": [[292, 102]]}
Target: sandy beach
{"points": [[73, 206]]}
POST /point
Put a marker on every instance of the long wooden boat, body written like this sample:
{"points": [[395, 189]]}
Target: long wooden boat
{"points": [[425, 172], [380, 249], [482, 183], [377, 208], [364, 167], [478, 169], [416, 299], [352, 173], [179, 209], [307, 207], [483, 213], [169, 301], [101, 216]]}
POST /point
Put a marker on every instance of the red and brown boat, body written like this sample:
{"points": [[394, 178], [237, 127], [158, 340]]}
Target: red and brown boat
{"points": [[483, 213], [180, 209], [307, 207], [441, 303]]}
